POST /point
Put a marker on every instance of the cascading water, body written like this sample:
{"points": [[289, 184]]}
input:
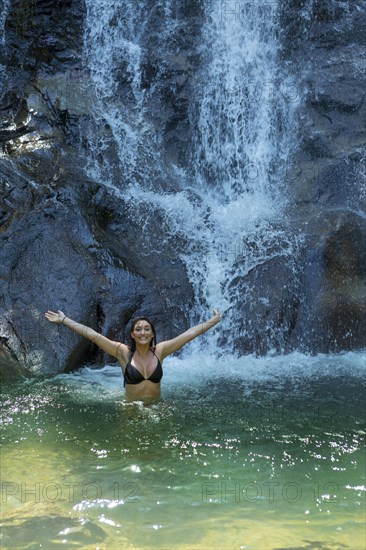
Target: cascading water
{"points": [[241, 118], [237, 141], [113, 54], [3, 15], [108, 43], [4, 10]]}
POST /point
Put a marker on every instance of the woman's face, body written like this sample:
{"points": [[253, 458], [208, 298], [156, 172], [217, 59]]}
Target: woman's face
{"points": [[142, 332]]}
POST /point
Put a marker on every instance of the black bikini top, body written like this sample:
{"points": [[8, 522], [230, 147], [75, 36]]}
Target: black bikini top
{"points": [[133, 376]]}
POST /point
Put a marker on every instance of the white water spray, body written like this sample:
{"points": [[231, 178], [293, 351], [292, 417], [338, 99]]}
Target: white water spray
{"points": [[111, 47]]}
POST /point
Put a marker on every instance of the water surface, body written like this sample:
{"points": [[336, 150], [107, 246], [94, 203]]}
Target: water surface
{"points": [[250, 453]]}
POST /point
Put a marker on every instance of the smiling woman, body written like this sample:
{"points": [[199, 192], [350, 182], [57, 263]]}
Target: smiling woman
{"points": [[142, 362]]}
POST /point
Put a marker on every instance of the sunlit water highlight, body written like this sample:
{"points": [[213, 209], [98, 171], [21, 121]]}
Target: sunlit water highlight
{"points": [[249, 453]]}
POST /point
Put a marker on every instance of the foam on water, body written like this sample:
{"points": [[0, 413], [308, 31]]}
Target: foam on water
{"points": [[195, 372]]}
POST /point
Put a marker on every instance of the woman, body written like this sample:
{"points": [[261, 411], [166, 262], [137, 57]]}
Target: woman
{"points": [[142, 363]]}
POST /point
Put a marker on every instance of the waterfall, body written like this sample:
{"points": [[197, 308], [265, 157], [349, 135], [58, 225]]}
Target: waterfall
{"points": [[236, 132], [4, 10], [113, 52], [3, 16], [109, 43], [242, 119], [227, 200]]}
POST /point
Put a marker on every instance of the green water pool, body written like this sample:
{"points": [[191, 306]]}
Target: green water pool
{"points": [[269, 456]]}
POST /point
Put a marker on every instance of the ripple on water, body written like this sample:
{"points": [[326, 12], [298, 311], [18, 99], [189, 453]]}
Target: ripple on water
{"points": [[272, 459]]}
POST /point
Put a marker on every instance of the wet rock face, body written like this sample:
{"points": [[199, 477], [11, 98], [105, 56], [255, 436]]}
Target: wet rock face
{"points": [[313, 301], [84, 266], [340, 300], [327, 41], [316, 301], [67, 243], [269, 296], [64, 244]]}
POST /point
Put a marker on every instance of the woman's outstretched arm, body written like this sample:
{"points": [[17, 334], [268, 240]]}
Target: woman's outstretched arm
{"points": [[116, 349], [170, 346]]}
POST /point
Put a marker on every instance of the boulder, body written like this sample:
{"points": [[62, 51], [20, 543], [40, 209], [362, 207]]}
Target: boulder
{"points": [[332, 315]]}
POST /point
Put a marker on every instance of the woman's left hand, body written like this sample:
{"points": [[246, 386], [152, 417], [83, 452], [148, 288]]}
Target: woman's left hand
{"points": [[217, 315], [55, 317]]}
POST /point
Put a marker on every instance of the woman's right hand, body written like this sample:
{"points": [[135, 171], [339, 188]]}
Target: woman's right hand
{"points": [[55, 317]]}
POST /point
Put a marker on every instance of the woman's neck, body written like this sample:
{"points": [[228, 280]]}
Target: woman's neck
{"points": [[143, 351]]}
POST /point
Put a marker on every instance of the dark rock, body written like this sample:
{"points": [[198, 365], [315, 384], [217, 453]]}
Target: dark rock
{"points": [[312, 299], [58, 259], [269, 296], [332, 315]]}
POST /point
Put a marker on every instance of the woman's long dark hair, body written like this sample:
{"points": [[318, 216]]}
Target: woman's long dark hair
{"points": [[132, 341]]}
